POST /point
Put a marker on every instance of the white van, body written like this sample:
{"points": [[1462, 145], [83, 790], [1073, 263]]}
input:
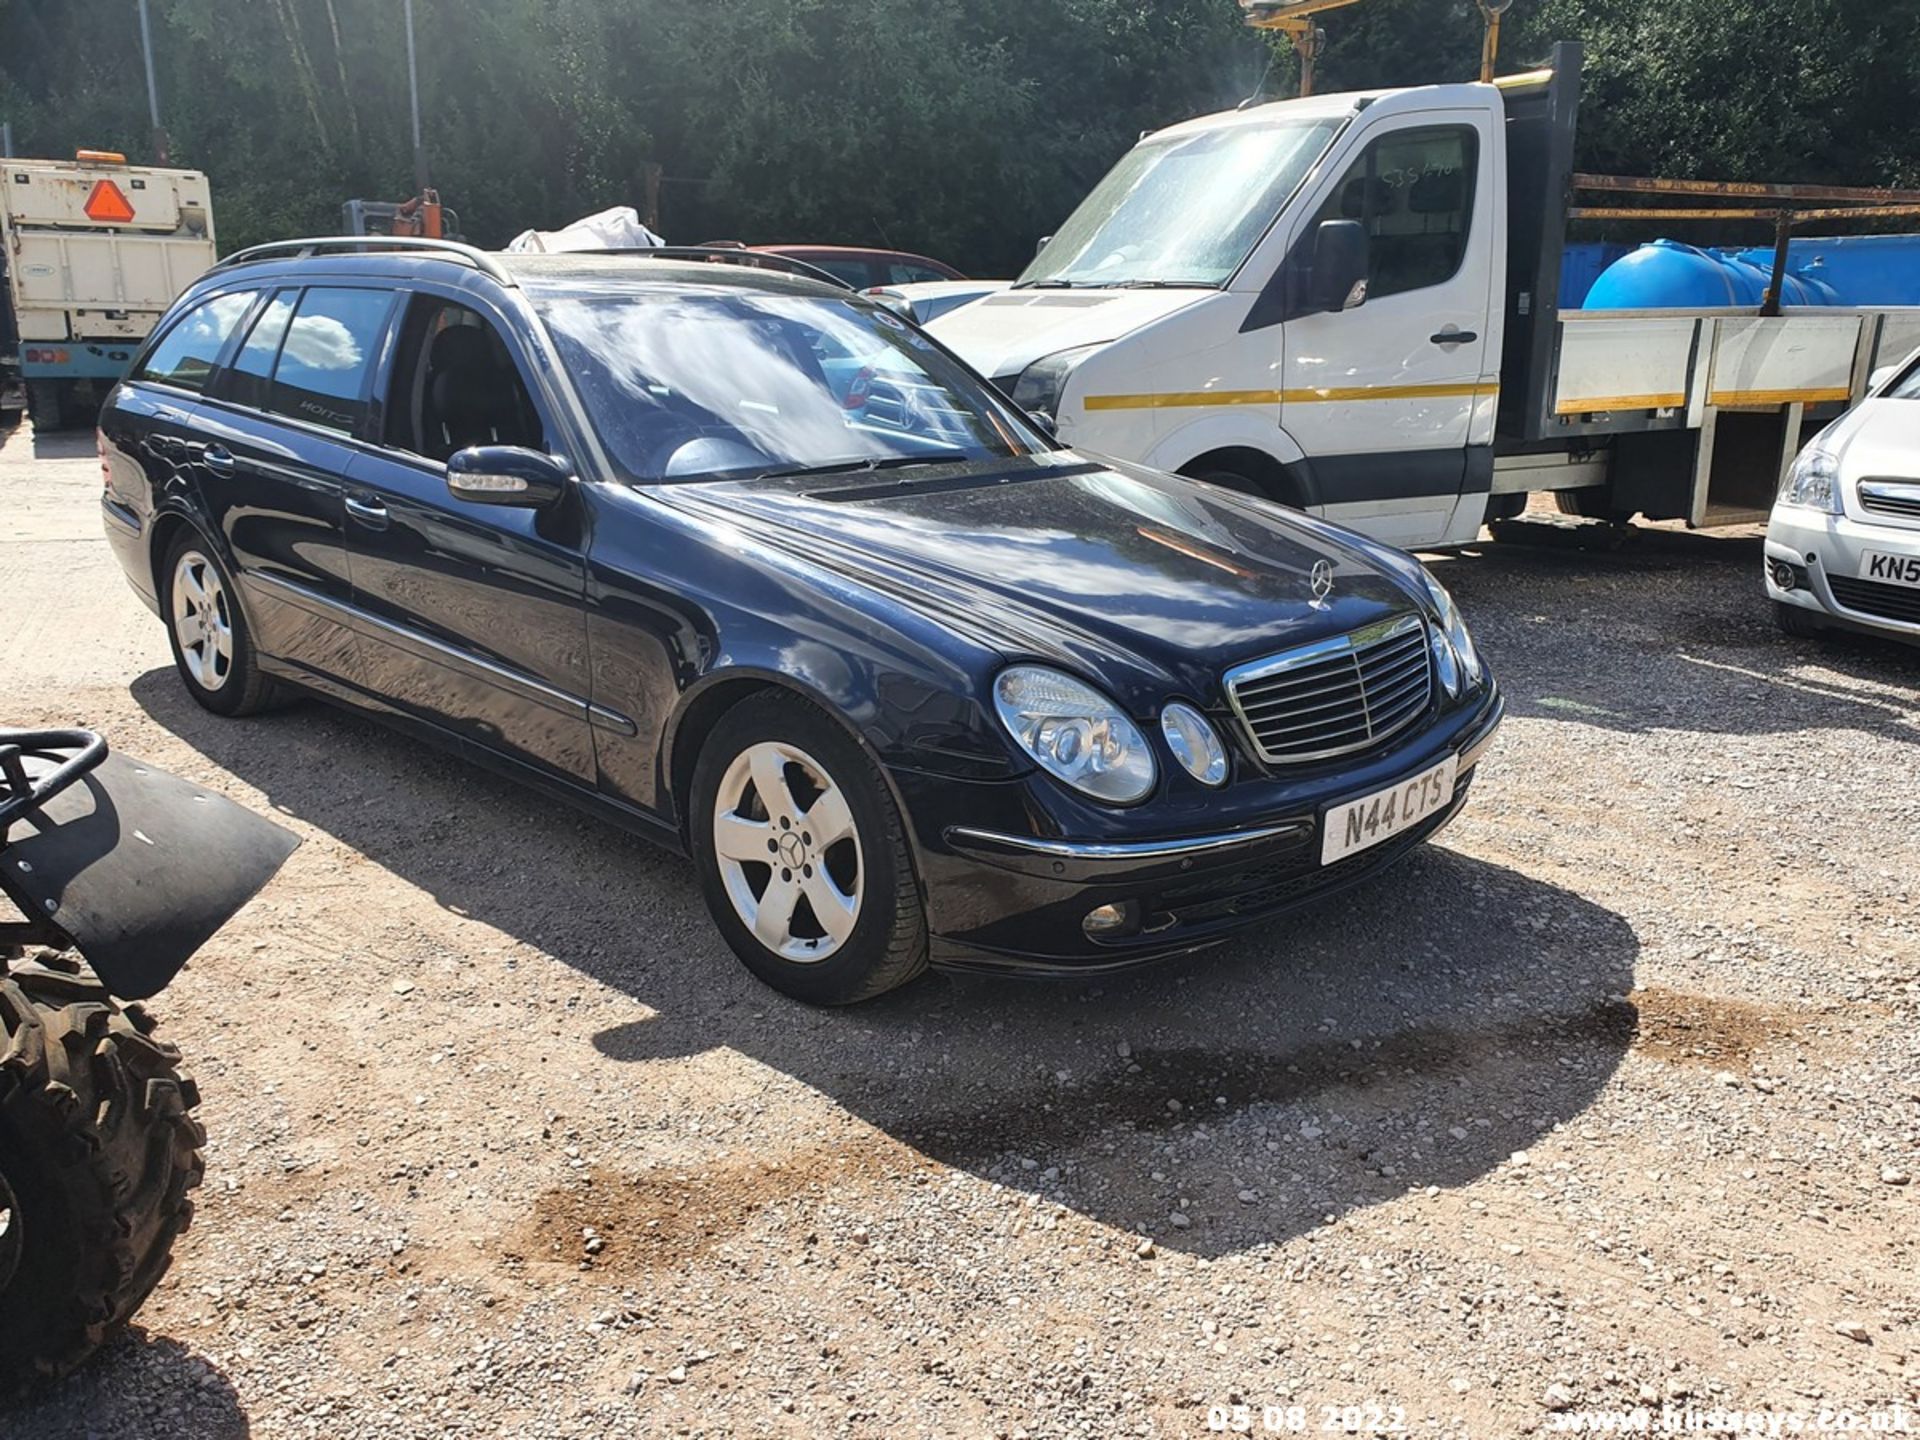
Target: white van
{"points": [[1349, 303]]}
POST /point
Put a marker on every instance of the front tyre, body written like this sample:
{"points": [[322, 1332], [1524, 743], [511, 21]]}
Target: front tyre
{"points": [[1796, 620], [212, 647], [97, 1154], [802, 854]]}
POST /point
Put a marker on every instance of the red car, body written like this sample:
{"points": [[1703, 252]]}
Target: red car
{"points": [[860, 267]]}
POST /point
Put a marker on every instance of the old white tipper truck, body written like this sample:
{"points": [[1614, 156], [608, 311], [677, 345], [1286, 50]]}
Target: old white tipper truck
{"points": [[1350, 303], [93, 251]]}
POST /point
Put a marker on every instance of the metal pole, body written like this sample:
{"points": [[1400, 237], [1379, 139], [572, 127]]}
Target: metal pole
{"points": [[6, 139], [1776, 287], [413, 88], [160, 146]]}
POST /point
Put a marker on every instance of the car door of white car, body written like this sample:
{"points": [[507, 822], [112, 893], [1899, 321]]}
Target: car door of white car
{"points": [[1387, 398]]}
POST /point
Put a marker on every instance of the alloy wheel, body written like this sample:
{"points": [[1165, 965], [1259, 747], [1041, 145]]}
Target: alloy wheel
{"points": [[202, 621], [788, 851]]}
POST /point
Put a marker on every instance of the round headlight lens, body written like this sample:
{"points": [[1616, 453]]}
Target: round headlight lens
{"points": [[1455, 626], [1075, 733], [1195, 743]]}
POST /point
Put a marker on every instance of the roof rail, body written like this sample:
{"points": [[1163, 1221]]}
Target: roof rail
{"points": [[349, 244], [726, 255]]}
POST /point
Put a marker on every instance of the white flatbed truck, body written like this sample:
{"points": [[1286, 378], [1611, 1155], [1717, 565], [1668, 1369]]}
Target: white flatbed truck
{"points": [[93, 251], [1350, 303]]}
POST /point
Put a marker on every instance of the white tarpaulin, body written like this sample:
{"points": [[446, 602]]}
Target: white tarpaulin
{"points": [[615, 229]]}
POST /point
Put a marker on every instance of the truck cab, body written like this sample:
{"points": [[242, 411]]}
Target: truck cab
{"points": [[1352, 304], [1299, 299]]}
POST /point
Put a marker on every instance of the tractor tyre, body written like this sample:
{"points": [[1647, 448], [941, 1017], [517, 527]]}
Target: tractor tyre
{"points": [[97, 1153]]}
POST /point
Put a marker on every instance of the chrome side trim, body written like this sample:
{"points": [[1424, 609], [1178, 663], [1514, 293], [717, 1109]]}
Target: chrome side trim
{"points": [[575, 706], [1134, 851]]}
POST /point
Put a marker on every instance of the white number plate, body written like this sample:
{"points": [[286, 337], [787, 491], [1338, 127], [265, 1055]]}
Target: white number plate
{"points": [[1890, 569], [1363, 823]]}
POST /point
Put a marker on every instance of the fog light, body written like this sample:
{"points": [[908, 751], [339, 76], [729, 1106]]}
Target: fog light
{"points": [[1783, 575], [1108, 922]]}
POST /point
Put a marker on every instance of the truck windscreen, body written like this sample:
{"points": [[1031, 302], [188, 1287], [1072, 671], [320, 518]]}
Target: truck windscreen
{"points": [[1184, 209]]}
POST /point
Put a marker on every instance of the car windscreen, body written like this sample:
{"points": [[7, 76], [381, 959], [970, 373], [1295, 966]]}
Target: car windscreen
{"points": [[699, 386], [1183, 210]]}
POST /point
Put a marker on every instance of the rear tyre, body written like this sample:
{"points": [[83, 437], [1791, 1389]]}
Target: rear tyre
{"points": [[1800, 623], [212, 647], [97, 1154], [802, 854], [1593, 503], [47, 404]]}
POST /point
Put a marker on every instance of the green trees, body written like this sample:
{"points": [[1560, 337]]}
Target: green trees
{"points": [[965, 128]]}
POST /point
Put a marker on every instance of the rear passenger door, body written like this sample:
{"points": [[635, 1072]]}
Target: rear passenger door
{"points": [[275, 441], [473, 615], [147, 430]]}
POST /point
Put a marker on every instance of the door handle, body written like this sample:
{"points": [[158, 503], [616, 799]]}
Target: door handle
{"points": [[367, 509], [1454, 337], [218, 458]]}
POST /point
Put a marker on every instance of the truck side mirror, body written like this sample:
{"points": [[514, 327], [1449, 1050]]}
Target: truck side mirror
{"points": [[1341, 256], [1042, 243]]}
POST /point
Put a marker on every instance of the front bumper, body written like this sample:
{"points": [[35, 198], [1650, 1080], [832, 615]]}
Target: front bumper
{"points": [[1004, 901], [1825, 548]]}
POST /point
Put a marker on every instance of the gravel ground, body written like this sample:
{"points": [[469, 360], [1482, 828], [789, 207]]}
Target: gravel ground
{"points": [[1608, 1098]]}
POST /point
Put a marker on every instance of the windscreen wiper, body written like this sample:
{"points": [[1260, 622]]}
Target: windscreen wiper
{"points": [[1055, 284], [1160, 285], [858, 467]]}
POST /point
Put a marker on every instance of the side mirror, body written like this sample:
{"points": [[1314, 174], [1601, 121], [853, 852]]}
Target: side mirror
{"points": [[507, 475], [1044, 241], [1044, 423], [1341, 257], [1881, 377]]}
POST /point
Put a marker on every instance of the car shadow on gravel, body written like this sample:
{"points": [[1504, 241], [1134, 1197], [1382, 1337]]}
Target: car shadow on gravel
{"points": [[1673, 630], [141, 1385], [1415, 1032]]}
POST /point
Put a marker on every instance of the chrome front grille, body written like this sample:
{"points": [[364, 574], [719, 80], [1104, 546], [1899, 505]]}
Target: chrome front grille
{"points": [[1335, 696], [1899, 498]]}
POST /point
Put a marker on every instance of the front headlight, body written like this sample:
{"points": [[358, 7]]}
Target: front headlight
{"points": [[1042, 383], [1453, 627], [1194, 743], [1074, 733], [1814, 481]]}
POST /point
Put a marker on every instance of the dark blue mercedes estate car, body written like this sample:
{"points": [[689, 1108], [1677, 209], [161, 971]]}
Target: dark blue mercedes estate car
{"points": [[756, 569]]}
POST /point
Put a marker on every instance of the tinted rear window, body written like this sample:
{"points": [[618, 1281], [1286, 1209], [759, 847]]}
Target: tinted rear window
{"points": [[327, 357], [186, 354]]}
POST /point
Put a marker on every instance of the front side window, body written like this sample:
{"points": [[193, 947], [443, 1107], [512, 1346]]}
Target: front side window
{"points": [[699, 386], [455, 384], [1413, 190], [186, 354], [1183, 210], [1907, 387], [327, 357]]}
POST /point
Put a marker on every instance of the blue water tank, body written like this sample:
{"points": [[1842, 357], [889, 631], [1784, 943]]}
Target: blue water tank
{"points": [[1854, 269], [1669, 275]]}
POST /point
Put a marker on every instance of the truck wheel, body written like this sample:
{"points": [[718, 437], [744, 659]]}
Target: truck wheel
{"points": [[1593, 503], [97, 1154], [47, 404], [803, 855]]}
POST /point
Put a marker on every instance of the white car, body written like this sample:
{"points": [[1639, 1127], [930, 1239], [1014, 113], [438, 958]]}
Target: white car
{"points": [[1843, 546]]}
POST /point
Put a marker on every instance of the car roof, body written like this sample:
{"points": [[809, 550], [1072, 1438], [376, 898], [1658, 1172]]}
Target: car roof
{"points": [[467, 267]]}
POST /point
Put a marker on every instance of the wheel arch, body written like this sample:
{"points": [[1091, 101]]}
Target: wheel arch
{"points": [[1266, 476], [704, 705]]}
